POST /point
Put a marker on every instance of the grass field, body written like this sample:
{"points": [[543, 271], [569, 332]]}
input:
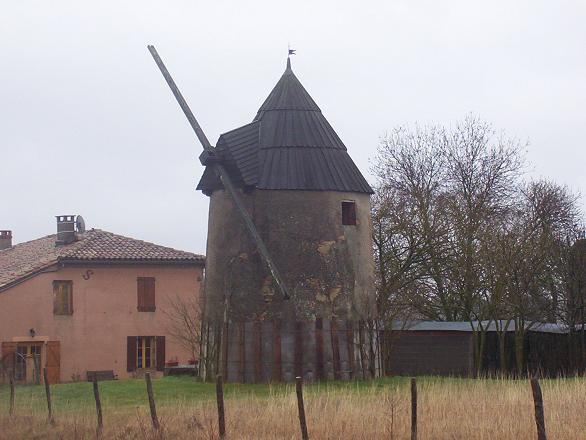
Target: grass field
{"points": [[448, 409]]}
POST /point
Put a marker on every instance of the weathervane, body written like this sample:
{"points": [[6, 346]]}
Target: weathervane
{"points": [[291, 51]]}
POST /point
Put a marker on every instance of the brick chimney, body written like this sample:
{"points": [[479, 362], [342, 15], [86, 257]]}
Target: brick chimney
{"points": [[65, 229], [5, 239]]}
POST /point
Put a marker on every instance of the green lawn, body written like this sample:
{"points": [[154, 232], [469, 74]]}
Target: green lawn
{"points": [[78, 396], [132, 392]]}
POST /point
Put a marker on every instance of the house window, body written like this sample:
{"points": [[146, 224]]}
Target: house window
{"points": [[27, 363], [146, 294], [348, 213], [145, 352], [63, 297]]}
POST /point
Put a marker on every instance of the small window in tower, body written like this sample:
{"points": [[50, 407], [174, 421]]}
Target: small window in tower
{"points": [[348, 213]]}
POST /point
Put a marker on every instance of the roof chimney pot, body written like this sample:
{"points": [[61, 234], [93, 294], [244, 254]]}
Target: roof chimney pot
{"points": [[5, 239], [65, 229]]}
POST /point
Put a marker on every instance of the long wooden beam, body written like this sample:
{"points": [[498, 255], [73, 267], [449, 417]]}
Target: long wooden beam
{"points": [[180, 99], [222, 175]]}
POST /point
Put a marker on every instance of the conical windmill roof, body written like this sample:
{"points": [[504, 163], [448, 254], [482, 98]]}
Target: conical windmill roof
{"points": [[288, 94], [289, 145]]}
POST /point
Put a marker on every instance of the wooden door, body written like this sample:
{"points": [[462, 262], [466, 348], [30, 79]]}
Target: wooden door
{"points": [[53, 363]]}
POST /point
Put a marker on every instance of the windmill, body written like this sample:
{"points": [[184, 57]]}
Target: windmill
{"points": [[284, 193]]}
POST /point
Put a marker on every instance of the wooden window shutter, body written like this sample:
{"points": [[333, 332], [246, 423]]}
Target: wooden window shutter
{"points": [[57, 301], [150, 294], [62, 297], [348, 213], [68, 286], [160, 353], [130, 353], [140, 293], [53, 361], [146, 294]]}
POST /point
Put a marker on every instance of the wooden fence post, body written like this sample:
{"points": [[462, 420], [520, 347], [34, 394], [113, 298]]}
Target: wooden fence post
{"points": [[152, 405], [220, 401], [12, 393], [50, 418], [301, 407], [413, 409], [538, 401], [98, 407]]}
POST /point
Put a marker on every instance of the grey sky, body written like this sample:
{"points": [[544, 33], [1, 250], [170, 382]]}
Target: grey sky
{"points": [[88, 126]]}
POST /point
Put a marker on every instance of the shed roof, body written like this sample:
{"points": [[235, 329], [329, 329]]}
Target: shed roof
{"points": [[26, 259], [289, 145], [464, 326]]}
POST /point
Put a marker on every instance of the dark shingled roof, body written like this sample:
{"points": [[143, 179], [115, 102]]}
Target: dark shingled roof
{"points": [[289, 145], [26, 259]]}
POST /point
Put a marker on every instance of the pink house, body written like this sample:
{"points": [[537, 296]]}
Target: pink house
{"points": [[84, 301]]}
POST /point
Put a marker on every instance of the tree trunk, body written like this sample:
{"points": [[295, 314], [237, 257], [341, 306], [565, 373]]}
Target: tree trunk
{"points": [[502, 337], [479, 338], [519, 350], [481, 352]]}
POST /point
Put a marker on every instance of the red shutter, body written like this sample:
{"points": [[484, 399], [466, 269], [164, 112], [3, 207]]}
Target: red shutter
{"points": [[53, 362], [56, 298], [130, 353], [146, 294], [160, 353], [150, 295], [69, 287], [140, 294]]}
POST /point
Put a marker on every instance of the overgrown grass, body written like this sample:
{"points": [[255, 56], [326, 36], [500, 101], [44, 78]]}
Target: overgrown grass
{"points": [[448, 409]]}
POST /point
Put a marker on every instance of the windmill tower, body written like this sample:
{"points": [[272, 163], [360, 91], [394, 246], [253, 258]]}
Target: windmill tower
{"points": [[284, 193]]}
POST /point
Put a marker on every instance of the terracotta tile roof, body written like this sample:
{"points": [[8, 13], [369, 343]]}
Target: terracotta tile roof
{"points": [[25, 259]]}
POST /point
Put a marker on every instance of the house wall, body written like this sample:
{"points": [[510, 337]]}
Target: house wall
{"points": [[104, 313], [431, 352]]}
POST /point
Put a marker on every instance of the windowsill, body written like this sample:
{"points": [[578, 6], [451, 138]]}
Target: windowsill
{"points": [[147, 310]]}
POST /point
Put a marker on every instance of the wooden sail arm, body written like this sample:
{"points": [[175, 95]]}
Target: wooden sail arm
{"points": [[222, 174]]}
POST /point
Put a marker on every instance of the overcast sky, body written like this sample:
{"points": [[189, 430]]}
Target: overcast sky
{"points": [[88, 125]]}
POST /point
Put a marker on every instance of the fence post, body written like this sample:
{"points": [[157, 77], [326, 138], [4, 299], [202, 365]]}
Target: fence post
{"points": [[413, 409], [220, 401], [152, 405], [98, 406], [12, 393], [50, 418], [538, 401], [301, 407]]}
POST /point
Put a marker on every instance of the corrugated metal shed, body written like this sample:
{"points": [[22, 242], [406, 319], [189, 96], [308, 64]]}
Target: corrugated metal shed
{"points": [[462, 326], [289, 145]]}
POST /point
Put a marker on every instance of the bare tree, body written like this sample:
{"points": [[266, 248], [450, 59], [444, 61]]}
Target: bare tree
{"points": [[185, 323], [459, 236], [410, 231]]}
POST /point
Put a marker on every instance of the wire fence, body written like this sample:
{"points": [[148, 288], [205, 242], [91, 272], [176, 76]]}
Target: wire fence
{"points": [[223, 411]]}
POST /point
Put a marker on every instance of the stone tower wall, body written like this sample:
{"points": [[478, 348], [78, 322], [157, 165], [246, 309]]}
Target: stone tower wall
{"points": [[327, 266]]}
